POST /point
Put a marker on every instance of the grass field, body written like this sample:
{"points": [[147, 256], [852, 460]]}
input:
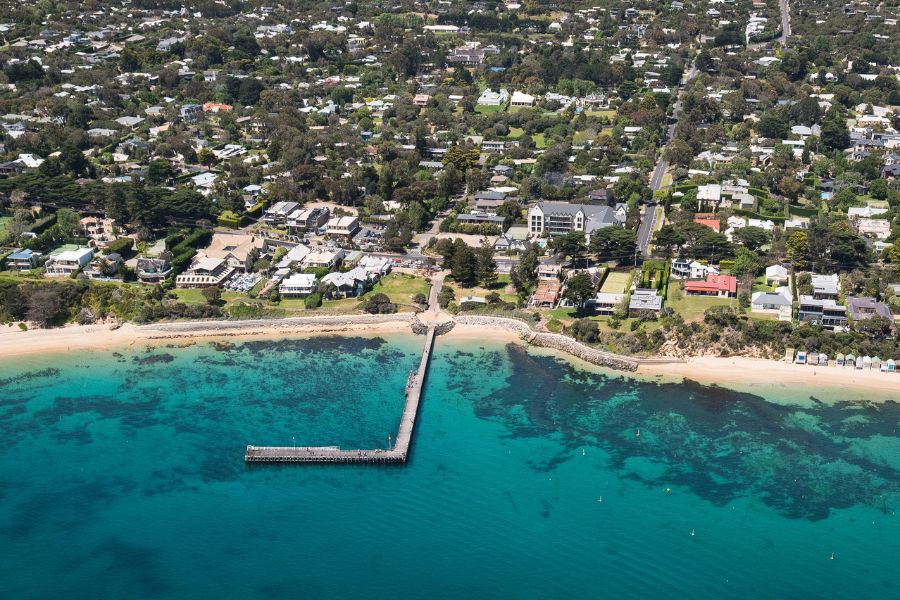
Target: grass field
{"points": [[487, 110], [616, 282], [500, 288], [3, 222], [400, 288], [539, 140], [691, 308], [609, 114]]}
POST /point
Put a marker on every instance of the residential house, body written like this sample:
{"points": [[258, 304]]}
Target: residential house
{"points": [[100, 231], [421, 100], [866, 307], [298, 285], [491, 98], [823, 311], [547, 293], [521, 99], [22, 260], [237, 250], [825, 286], [375, 266], [777, 275], [152, 270], [67, 262], [722, 286], [192, 113], [349, 284], [879, 229], [605, 303], [104, 267], [205, 272], [778, 302], [684, 268], [643, 301]]}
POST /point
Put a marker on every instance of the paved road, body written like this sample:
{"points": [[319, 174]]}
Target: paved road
{"points": [[785, 21], [648, 220]]}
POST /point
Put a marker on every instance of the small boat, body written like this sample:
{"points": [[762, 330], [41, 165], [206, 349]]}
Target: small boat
{"points": [[637, 433], [831, 557], [692, 533], [583, 452]]}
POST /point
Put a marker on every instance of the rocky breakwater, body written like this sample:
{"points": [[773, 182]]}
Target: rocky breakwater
{"points": [[555, 341], [420, 328]]}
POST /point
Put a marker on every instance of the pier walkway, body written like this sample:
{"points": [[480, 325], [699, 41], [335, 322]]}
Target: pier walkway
{"points": [[333, 454]]}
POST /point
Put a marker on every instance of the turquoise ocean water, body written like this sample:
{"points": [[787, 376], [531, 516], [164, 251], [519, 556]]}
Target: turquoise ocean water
{"points": [[122, 476]]}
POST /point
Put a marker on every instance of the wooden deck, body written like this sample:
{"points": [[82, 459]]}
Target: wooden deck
{"points": [[333, 454]]}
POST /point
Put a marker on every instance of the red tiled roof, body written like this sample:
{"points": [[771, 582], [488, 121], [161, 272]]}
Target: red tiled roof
{"points": [[713, 283]]}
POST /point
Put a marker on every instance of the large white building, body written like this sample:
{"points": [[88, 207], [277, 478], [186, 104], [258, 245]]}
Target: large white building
{"points": [[557, 218], [492, 98], [68, 262]]}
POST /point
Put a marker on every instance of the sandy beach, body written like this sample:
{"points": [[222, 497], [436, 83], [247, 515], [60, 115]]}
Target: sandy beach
{"points": [[763, 377], [14, 342]]}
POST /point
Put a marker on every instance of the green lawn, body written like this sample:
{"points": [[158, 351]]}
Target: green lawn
{"points": [[400, 288], [190, 296], [515, 133], [539, 140], [691, 308], [3, 222], [487, 110], [499, 288], [616, 282], [609, 114]]}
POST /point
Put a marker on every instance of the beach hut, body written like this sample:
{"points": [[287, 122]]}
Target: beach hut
{"points": [[884, 367], [823, 359], [812, 359], [865, 363], [876, 363], [891, 365], [801, 357], [839, 359], [850, 361]]}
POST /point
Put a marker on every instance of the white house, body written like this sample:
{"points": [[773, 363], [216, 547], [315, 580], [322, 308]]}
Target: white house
{"points": [[298, 285], [521, 99], [69, 261], [492, 98], [777, 275]]}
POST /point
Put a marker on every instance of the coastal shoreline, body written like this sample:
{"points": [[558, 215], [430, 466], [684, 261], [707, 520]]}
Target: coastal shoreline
{"points": [[759, 376]]}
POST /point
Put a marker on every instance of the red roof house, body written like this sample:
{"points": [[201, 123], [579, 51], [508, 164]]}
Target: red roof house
{"points": [[723, 286]]}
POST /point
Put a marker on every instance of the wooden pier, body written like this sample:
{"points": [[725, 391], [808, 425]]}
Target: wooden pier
{"points": [[333, 454]]}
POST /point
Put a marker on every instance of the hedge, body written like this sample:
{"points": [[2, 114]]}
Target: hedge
{"points": [[41, 225], [753, 215], [230, 220], [121, 246]]}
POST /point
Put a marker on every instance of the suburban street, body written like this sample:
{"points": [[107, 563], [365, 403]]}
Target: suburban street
{"points": [[648, 219], [785, 21]]}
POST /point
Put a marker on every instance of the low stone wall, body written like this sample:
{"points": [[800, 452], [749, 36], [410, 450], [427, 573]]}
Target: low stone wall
{"points": [[585, 353], [323, 321], [513, 325], [555, 341]]}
